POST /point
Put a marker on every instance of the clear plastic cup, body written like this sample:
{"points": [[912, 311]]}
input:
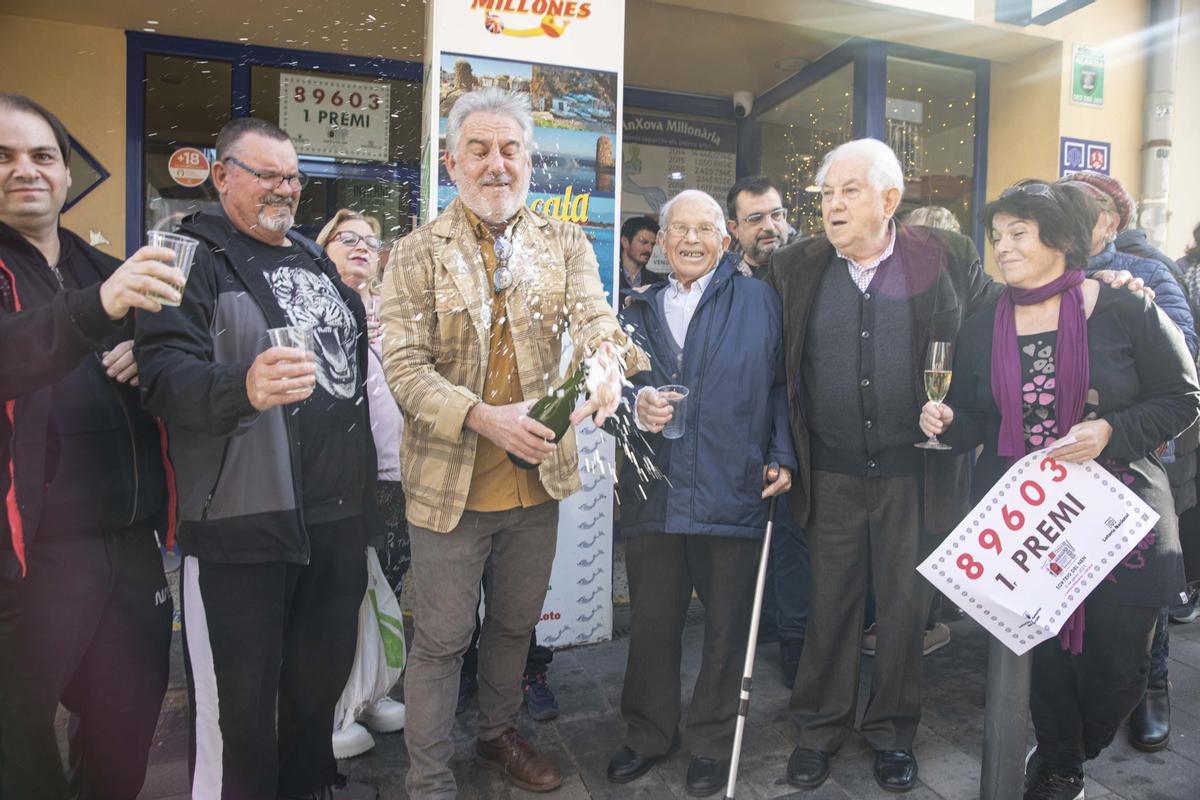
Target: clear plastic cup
{"points": [[293, 336], [185, 251], [677, 397]]}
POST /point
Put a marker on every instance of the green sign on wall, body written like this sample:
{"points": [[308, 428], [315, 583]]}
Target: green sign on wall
{"points": [[1087, 76]]}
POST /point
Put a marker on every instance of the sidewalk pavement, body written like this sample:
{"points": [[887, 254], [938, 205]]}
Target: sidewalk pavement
{"points": [[588, 680]]}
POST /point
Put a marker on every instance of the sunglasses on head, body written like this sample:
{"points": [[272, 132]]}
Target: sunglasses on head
{"points": [[1035, 188]]}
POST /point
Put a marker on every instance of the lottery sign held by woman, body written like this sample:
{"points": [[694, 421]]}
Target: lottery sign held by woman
{"points": [[1036, 545]]}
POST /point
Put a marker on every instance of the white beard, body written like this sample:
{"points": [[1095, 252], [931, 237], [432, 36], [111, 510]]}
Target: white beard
{"points": [[278, 224]]}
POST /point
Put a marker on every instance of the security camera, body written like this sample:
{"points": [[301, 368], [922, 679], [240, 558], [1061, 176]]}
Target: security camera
{"points": [[743, 101]]}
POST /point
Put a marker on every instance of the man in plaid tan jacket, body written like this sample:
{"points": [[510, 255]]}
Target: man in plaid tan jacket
{"points": [[475, 305]]}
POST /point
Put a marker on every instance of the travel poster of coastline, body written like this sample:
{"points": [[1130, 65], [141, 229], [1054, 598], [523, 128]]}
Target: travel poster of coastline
{"points": [[575, 136]]}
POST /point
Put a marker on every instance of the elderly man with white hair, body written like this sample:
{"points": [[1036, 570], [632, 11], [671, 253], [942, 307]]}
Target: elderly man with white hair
{"points": [[863, 303], [720, 335]]}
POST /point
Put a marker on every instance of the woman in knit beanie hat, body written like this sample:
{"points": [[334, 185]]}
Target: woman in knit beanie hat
{"points": [[1123, 207]]}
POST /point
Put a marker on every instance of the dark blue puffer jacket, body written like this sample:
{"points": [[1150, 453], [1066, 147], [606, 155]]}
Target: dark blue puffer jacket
{"points": [[1168, 294], [736, 411]]}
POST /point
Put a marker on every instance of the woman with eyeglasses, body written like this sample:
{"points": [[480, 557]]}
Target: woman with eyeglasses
{"points": [[1059, 356], [352, 242]]}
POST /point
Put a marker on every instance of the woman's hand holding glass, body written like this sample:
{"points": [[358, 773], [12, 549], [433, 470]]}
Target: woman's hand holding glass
{"points": [[936, 418]]}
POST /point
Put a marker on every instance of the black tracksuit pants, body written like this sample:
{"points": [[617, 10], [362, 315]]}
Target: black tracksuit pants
{"points": [[1079, 702], [90, 627], [268, 637]]}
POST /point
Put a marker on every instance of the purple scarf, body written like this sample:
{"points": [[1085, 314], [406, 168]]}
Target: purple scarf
{"points": [[1071, 381]]}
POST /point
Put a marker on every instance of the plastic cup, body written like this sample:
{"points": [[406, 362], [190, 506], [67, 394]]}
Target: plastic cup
{"points": [[293, 336], [184, 248], [677, 396]]}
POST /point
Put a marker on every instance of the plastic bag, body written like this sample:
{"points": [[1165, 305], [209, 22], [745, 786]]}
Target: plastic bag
{"points": [[380, 654]]}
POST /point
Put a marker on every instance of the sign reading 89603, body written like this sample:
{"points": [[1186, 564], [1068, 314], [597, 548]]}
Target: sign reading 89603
{"points": [[336, 117]]}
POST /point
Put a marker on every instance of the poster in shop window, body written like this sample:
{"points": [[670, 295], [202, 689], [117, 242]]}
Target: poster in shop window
{"points": [[663, 155], [1036, 546], [568, 57], [337, 117]]}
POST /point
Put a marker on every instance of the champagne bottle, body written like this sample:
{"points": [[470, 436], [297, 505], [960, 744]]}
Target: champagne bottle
{"points": [[554, 410]]}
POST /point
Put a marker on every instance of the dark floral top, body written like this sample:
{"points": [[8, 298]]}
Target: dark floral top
{"points": [[1037, 404]]}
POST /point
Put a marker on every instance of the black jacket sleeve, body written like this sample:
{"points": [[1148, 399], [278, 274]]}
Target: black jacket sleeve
{"points": [[174, 349], [972, 352], [40, 346], [1169, 399]]}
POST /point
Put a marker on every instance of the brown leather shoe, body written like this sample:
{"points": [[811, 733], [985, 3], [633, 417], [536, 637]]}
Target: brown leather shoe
{"points": [[520, 762]]}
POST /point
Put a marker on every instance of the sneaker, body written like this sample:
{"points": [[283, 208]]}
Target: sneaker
{"points": [[1055, 786], [1186, 612], [539, 700], [869, 640], [467, 685], [936, 638], [385, 716], [352, 740]]}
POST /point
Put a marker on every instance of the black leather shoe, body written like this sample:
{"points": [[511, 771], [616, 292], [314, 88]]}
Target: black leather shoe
{"points": [[895, 770], [628, 765], [807, 769], [706, 776], [1150, 722]]}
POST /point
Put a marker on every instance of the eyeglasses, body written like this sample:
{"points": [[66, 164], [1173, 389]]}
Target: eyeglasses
{"points": [[1035, 188], [705, 229], [271, 180], [777, 215], [351, 239]]}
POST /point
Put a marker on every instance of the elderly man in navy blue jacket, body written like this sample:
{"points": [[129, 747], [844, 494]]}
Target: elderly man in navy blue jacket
{"points": [[718, 333]]}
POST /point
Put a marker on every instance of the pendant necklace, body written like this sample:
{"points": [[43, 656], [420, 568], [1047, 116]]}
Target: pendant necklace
{"points": [[502, 278]]}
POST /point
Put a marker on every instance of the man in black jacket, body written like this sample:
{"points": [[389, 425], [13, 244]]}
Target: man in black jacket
{"points": [[276, 469], [85, 615]]}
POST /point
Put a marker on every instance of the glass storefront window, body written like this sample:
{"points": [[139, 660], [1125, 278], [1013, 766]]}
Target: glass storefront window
{"points": [[187, 102], [797, 133], [388, 200], [931, 127]]}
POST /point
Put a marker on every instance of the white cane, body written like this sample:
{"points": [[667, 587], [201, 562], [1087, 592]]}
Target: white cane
{"points": [[751, 645]]}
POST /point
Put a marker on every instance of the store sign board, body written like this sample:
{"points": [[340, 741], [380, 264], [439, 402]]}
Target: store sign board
{"points": [[1087, 76], [568, 57], [343, 118]]}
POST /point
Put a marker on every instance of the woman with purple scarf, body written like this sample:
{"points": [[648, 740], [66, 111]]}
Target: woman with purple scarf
{"points": [[1062, 357]]}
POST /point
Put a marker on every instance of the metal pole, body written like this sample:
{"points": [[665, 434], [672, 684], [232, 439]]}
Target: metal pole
{"points": [[1161, 38], [751, 647], [1005, 721]]}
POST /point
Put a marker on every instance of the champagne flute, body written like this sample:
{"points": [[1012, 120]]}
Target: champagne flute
{"points": [[939, 361]]}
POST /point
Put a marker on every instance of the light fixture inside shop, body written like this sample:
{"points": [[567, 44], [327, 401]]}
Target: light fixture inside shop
{"points": [[792, 63]]}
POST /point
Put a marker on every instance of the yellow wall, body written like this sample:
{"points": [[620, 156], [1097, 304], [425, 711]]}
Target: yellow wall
{"points": [[78, 72], [1023, 123], [1031, 99], [1183, 202], [1110, 25]]}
